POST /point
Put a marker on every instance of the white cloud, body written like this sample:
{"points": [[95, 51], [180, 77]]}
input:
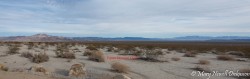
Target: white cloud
{"points": [[125, 17]]}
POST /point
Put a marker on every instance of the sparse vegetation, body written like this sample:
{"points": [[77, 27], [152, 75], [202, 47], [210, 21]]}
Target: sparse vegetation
{"points": [[91, 47], [225, 57], [176, 58], [204, 62], [88, 52], [39, 58], [97, 56], [119, 67], [13, 49], [27, 55], [155, 55], [189, 54], [62, 51]]}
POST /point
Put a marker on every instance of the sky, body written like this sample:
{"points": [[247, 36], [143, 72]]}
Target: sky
{"points": [[125, 18]]}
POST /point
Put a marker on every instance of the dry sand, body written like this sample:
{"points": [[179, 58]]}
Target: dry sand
{"points": [[139, 69]]}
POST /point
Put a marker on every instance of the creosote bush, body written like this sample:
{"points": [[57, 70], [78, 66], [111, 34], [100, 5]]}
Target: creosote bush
{"points": [[97, 56], [91, 47], [40, 57], [153, 56], [62, 51], [27, 55], [88, 52], [13, 49], [119, 67], [225, 57]]}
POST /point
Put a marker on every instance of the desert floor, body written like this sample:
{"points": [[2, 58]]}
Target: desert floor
{"points": [[140, 69]]}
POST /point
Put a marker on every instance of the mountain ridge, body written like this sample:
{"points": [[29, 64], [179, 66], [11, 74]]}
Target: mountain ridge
{"points": [[49, 38]]}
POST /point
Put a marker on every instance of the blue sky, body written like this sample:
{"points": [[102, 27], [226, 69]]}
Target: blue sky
{"points": [[122, 18]]}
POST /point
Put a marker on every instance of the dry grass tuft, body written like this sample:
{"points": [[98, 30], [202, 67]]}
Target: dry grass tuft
{"points": [[176, 58], [119, 67], [97, 56], [204, 62], [39, 58], [225, 58]]}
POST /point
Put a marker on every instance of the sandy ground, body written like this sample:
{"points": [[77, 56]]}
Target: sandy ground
{"points": [[139, 69], [19, 75]]}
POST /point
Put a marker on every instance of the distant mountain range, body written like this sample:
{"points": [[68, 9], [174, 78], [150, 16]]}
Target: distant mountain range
{"points": [[49, 38]]}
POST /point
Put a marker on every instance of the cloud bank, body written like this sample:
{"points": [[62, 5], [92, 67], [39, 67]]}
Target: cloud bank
{"points": [[118, 18]]}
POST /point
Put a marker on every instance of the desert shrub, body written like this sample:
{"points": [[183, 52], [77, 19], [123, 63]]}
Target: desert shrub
{"points": [[189, 54], [110, 49], [237, 53], [119, 67], [88, 52], [62, 51], [153, 56], [68, 55], [225, 57], [76, 49], [204, 62], [40, 57], [176, 58], [91, 47], [40, 70], [30, 45], [27, 55], [97, 56], [13, 49]]}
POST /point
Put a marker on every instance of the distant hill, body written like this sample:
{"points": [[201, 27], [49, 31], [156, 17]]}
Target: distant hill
{"points": [[49, 38], [35, 38]]}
